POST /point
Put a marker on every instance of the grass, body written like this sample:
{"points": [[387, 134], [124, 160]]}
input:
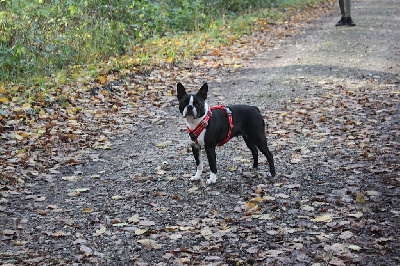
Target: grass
{"points": [[43, 38]]}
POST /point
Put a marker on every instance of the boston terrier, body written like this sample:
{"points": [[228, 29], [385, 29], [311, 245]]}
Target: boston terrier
{"points": [[209, 127]]}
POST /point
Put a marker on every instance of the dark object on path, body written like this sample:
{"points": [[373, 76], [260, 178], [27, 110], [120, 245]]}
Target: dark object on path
{"points": [[345, 22], [345, 10]]}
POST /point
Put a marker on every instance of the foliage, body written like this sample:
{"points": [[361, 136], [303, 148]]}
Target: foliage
{"points": [[41, 37]]}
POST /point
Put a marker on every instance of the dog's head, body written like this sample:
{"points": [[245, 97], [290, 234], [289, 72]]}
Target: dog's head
{"points": [[191, 105]]}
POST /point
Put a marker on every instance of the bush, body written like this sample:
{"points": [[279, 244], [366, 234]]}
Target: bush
{"points": [[40, 37]]}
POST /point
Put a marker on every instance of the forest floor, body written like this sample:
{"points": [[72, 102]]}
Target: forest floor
{"points": [[331, 99]]}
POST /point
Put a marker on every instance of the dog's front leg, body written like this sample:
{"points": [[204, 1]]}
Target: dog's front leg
{"points": [[199, 162], [212, 161]]}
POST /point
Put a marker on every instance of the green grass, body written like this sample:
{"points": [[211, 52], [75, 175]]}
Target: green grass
{"points": [[40, 38]]}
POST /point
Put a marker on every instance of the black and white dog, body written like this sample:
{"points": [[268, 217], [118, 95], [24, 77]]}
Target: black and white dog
{"points": [[211, 127]]}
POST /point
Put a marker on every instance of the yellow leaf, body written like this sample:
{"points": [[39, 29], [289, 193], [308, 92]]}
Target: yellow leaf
{"points": [[18, 137], [27, 105], [42, 114], [360, 198], [4, 100], [257, 199], [233, 168], [102, 79], [87, 209]]}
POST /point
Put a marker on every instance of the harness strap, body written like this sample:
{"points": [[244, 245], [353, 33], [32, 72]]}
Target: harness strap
{"points": [[195, 133]]}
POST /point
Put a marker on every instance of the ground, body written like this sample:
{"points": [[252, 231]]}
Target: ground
{"points": [[330, 96]]}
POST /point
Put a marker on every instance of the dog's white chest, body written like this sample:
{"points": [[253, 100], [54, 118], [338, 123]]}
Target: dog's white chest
{"points": [[200, 138]]}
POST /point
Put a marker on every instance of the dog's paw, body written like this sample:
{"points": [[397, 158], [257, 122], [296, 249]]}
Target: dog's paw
{"points": [[212, 179], [197, 176]]}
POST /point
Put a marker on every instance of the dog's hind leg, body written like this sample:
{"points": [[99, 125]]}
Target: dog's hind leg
{"points": [[250, 144], [261, 143], [264, 149], [199, 163]]}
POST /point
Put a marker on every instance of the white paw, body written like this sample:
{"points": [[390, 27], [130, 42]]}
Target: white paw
{"points": [[197, 176], [212, 179], [194, 178]]}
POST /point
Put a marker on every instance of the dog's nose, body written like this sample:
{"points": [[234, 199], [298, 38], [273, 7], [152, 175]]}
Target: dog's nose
{"points": [[190, 107]]}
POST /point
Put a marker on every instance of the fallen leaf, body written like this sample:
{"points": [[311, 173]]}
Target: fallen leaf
{"points": [[346, 235], [61, 234], [119, 224], [268, 198], [71, 178], [147, 223], [73, 193], [164, 144], [337, 262], [141, 231], [9, 232], [213, 258], [324, 218], [354, 247], [271, 253], [192, 189], [372, 193], [85, 249], [134, 219], [82, 189], [100, 231], [360, 198], [206, 232], [41, 198], [175, 236], [355, 215], [42, 212], [263, 216], [116, 197], [307, 208], [281, 195], [149, 244], [186, 228]]}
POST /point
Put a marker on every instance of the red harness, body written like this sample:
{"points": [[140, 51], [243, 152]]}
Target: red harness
{"points": [[195, 133]]}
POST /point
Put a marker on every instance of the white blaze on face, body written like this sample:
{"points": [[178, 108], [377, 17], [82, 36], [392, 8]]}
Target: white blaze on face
{"points": [[191, 100]]}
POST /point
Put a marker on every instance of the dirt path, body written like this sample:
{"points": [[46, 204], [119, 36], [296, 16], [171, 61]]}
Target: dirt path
{"points": [[331, 99]]}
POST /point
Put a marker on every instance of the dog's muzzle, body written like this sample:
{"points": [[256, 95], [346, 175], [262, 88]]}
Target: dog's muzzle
{"points": [[190, 111]]}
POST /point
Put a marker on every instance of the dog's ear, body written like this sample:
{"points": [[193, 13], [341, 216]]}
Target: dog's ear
{"points": [[203, 91], [180, 90]]}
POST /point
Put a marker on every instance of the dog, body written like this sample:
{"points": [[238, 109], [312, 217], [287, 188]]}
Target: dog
{"points": [[211, 127]]}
